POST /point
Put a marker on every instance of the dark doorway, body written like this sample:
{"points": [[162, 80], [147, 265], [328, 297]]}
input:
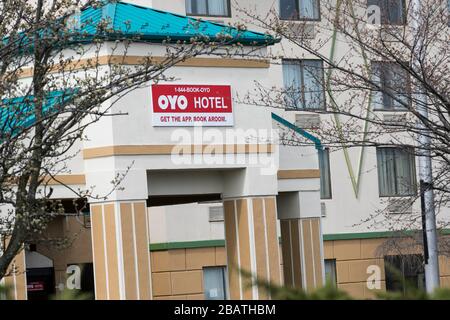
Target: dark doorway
{"points": [[158, 201], [404, 272], [40, 283]]}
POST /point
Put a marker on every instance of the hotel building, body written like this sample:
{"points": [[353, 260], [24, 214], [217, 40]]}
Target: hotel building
{"points": [[184, 227]]}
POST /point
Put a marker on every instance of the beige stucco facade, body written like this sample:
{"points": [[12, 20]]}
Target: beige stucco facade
{"points": [[178, 273]]}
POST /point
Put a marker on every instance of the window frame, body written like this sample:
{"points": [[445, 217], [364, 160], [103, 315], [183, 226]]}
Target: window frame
{"points": [[404, 14], [333, 261], [224, 278], [384, 89], [330, 196], [303, 97], [228, 15], [448, 13], [297, 7], [414, 186]]}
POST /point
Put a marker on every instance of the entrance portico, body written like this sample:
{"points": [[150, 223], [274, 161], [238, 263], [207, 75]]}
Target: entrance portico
{"points": [[252, 204]]}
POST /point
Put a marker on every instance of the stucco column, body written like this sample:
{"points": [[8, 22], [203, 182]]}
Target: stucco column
{"points": [[252, 245], [302, 253], [301, 240], [120, 247], [16, 281]]}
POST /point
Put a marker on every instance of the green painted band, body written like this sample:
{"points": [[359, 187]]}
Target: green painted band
{"points": [[326, 237], [186, 245], [373, 235]]}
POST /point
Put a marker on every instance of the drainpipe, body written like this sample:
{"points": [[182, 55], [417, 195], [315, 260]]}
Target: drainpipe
{"points": [[430, 243]]}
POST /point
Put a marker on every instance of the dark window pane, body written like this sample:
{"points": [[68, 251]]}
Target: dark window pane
{"points": [[391, 11], [313, 84], [218, 7], [300, 9], [330, 271], [448, 12], [394, 83], [394, 11], [207, 7], [303, 84], [396, 172], [403, 272], [214, 283], [289, 10], [292, 75], [309, 9], [325, 177]]}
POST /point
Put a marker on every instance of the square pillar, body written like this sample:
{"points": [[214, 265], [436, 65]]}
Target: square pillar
{"points": [[120, 248], [16, 279], [302, 253], [252, 245], [301, 239]]}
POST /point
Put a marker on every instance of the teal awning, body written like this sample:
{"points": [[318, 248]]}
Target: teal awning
{"points": [[146, 24], [139, 24], [18, 114]]}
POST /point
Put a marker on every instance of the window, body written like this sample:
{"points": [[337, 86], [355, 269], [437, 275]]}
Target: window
{"points": [[391, 11], [300, 9], [396, 172], [448, 12], [403, 272], [212, 8], [395, 87], [325, 176], [303, 83], [214, 280], [330, 271]]}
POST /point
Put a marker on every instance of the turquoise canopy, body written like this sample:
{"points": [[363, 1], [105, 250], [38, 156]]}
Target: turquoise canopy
{"points": [[118, 20], [17, 114], [147, 24]]}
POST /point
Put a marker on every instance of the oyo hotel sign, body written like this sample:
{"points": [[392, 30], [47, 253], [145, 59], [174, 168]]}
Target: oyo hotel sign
{"points": [[190, 105]]}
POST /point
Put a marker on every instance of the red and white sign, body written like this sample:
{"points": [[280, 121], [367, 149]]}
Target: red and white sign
{"points": [[189, 105], [35, 286]]}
